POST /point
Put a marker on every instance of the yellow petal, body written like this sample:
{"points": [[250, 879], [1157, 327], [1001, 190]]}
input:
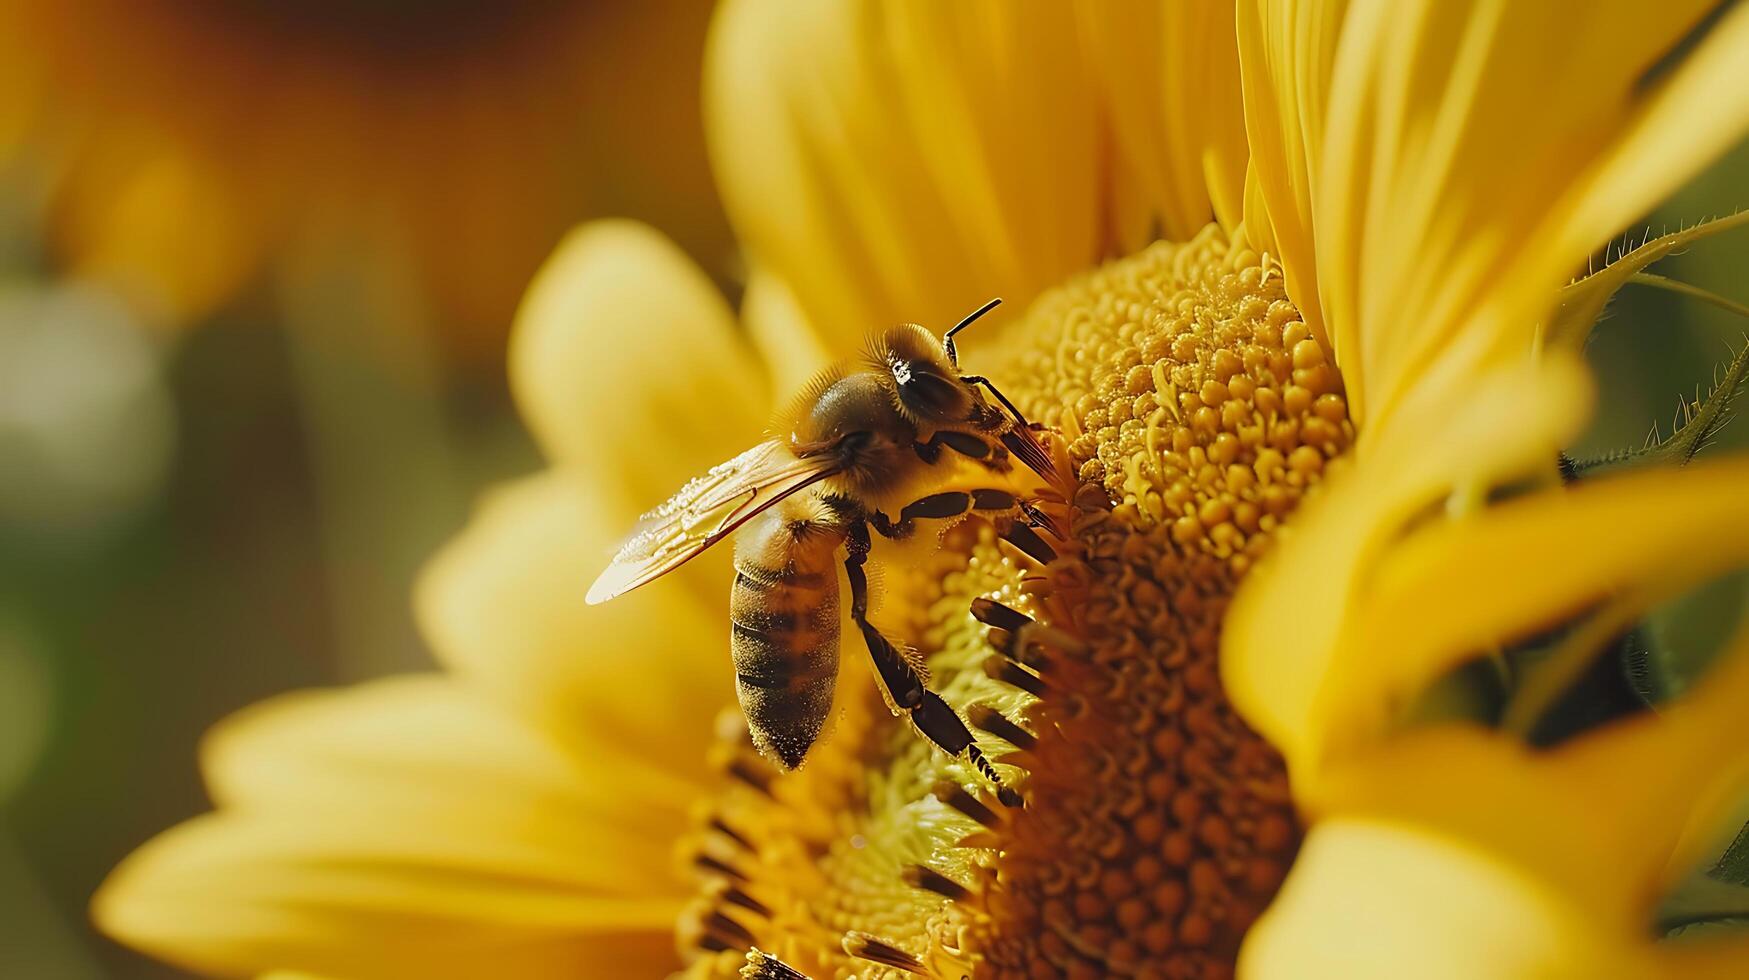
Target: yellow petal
{"points": [[627, 364], [1374, 899], [1687, 109], [905, 161], [1605, 819], [1170, 84], [785, 339], [1286, 52], [1474, 155], [1287, 634], [1453, 591], [1462, 848], [407, 828], [385, 745], [648, 672]]}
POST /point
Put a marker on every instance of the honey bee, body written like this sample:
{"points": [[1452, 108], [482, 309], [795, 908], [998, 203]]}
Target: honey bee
{"points": [[896, 431]]}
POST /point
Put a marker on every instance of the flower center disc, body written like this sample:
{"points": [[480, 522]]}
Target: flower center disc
{"points": [[1198, 410]]}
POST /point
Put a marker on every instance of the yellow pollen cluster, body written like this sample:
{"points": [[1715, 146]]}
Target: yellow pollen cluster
{"points": [[1197, 410], [1193, 392]]}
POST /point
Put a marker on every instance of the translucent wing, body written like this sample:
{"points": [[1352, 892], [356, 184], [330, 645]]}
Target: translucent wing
{"points": [[706, 511]]}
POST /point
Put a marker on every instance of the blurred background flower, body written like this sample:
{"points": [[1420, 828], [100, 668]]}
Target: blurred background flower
{"points": [[257, 262], [257, 265], [182, 147]]}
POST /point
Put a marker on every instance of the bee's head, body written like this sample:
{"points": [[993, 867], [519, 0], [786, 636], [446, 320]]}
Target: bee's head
{"points": [[925, 383]]}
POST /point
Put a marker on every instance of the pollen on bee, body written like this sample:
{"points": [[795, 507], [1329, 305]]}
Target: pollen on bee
{"points": [[764, 966]]}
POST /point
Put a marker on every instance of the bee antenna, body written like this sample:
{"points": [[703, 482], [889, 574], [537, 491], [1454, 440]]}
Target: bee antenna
{"points": [[970, 318]]}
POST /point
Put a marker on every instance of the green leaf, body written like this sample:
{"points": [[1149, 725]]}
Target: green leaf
{"points": [[1678, 640], [1733, 865], [1704, 899], [1582, 302], [1717, 896], [1696, 425]]}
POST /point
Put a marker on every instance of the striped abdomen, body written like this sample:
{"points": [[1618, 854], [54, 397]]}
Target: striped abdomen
{"points": [[783, 610]]}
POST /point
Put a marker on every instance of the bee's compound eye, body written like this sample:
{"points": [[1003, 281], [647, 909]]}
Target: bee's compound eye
{"points": [[927, 393]]}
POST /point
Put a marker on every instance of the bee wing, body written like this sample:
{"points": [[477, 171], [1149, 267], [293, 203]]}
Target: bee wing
{"points": [[706, 511]]}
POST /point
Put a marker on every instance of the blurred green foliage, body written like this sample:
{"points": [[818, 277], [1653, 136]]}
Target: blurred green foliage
{"points": [[227, 587]]}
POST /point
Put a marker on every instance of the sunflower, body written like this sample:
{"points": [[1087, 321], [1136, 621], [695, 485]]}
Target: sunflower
{"points": [[186, 144], [1310, 253]]}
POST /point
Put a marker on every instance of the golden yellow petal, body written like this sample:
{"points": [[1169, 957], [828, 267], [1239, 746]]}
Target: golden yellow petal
{"points": [[1375, 899], [780, 331], [1605, 819], [1528, 809], [1170, 84], [1688, 108], [411, 741], [905, 161], [1454, 591], [406, 828], [1289, 634], [626, 363], [1474, 155], [1286, 51], [503, 603]]}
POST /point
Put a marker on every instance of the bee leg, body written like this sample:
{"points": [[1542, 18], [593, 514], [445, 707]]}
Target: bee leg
{"points": [[978, 379], [933, 716], [999, 504], [964, 443], [1018, 437], [1014, 519], [951, 503], [947, 504]]}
